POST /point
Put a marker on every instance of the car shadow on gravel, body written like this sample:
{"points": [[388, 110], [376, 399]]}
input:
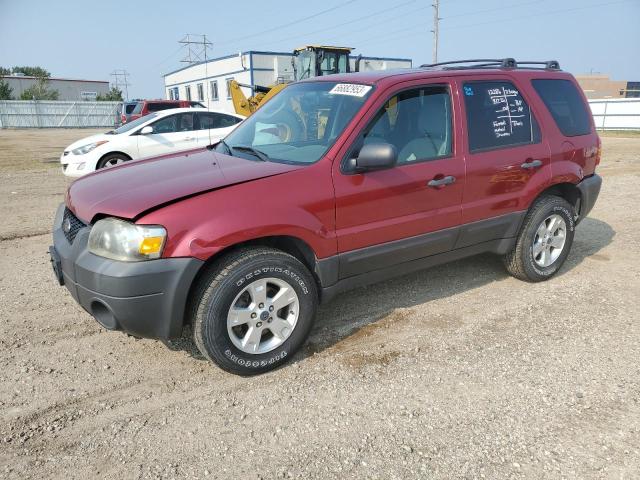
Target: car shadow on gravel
{"points": [[352, 311]]}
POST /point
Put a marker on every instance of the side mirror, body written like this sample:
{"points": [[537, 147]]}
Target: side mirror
{"points": [[375, 156], [146, 130]]}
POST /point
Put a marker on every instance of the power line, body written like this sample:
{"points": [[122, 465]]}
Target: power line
{"points": [[197, 46], [350, 22], [285, 25], [407, 30], [567, 10], [121, 80]]}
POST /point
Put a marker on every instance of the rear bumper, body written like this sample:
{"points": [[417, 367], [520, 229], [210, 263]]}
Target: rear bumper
{"points": [[589, 190], [145, 299]]}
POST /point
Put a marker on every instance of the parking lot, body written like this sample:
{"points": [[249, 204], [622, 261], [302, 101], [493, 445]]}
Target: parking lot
{"points": [[455, 372]]}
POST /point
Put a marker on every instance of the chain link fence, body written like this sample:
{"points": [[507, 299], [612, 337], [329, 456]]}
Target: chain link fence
{"points": [[50, 114]]}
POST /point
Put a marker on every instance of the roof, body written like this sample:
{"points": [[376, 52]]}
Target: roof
{"points": [[376, 76], [27, 77], [282, 54], [169, 111]]}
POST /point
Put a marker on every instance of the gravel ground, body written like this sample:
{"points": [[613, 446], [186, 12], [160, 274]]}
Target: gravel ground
{"points": [[455, 372]]}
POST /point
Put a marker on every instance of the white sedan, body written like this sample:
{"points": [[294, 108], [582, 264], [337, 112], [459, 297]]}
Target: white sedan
{"points": [[155, 134]]}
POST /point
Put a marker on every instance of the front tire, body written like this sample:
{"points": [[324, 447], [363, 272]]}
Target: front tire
{"points": [[112, 160], [544, 241], [253, 309]]}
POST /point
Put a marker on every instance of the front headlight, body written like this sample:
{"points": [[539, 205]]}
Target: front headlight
{"points": [[125, 241], [87, 148]]}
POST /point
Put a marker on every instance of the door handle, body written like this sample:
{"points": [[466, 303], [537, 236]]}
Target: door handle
{"points": [[531, 164], [187, 139], [442, 182]]}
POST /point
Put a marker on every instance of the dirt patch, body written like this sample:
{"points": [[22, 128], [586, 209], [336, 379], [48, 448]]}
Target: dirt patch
{"points": [[459, 371]]}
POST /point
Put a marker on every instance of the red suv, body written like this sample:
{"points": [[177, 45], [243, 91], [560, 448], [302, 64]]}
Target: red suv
{"points": [[140, 108], [336, 182]]}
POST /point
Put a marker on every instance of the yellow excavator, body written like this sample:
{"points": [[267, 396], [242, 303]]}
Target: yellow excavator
{"points": [[307, 62]]}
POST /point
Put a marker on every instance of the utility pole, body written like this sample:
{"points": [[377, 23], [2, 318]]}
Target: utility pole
{"points": [[197, 46], [124, 82], [436, 24]]}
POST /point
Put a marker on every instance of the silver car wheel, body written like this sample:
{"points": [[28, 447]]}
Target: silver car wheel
{"points": [[263, 315], [549, 240], [113, 162]]}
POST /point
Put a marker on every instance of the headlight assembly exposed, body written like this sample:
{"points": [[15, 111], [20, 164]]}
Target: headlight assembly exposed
{"points": [[125, 241], [83, 150]]}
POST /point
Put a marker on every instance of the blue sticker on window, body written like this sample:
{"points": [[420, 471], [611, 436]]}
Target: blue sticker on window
{"points": [[468, 91]]}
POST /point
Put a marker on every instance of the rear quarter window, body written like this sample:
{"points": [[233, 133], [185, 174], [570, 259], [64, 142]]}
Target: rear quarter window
{"points": [[156, 107], [565, 104]]}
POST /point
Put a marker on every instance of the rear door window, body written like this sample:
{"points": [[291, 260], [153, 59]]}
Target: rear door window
{"points": [[565, 104], [497, 116], [216, 120]]}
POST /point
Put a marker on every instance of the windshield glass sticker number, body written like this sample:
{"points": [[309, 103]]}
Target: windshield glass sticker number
{"points": [[352, 89]]}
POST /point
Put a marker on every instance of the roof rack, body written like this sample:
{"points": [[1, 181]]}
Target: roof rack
{"points": [[493, 63]]}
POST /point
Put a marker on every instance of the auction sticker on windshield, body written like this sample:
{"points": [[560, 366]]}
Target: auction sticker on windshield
{"points": [[353, 89]]}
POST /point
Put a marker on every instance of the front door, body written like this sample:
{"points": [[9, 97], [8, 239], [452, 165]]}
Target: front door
{"points": [[411, 211], [170, 134]]}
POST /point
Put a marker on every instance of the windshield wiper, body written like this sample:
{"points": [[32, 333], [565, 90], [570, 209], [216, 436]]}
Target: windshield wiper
{"points": [[257, 153]]}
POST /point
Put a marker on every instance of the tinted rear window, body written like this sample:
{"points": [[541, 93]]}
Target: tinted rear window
{"points": [[156, 107], [129, 108], [566, 105], [498, 116]]}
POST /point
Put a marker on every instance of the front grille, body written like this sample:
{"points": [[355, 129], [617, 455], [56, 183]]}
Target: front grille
{"points": [[71, 225]]}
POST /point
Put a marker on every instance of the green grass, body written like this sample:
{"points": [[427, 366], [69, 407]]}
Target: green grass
{"points": [[619, 133]]}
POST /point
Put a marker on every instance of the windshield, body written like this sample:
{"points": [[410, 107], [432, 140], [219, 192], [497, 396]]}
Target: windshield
{"points": [[303, 65], [133, 124], [301, 122]]}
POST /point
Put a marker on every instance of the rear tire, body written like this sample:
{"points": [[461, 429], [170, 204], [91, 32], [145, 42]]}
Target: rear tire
{"points": [[544, 241], [253, 309]]}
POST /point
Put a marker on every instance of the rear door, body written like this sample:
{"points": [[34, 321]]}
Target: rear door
{"points": [[507, 157], [411, 211], [214, 126], [170, 134]]}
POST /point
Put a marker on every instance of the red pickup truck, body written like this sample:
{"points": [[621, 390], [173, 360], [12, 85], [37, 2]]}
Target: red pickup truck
{"points": [[336, 182]]}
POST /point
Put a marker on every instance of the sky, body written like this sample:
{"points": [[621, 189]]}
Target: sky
{"points": [[89, 39]]}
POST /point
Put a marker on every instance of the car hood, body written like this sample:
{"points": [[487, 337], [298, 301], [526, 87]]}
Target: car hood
{"points": [[129, 190], [87, 140]]}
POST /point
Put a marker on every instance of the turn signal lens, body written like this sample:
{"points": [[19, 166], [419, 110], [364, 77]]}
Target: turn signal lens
{"points": [[150, 245]]}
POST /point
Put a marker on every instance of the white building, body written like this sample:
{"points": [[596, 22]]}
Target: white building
{"points": [[208, 82]]}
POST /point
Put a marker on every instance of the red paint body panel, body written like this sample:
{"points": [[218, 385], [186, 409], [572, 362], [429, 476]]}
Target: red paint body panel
{"points": [[209, 202], [128, 190], [379, 207], [298, 203]]}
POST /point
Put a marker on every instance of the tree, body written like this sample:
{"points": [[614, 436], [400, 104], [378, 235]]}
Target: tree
{"points": [[39, 91], [113, 95], [5, 91], [5, 71], [32, 71]]}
